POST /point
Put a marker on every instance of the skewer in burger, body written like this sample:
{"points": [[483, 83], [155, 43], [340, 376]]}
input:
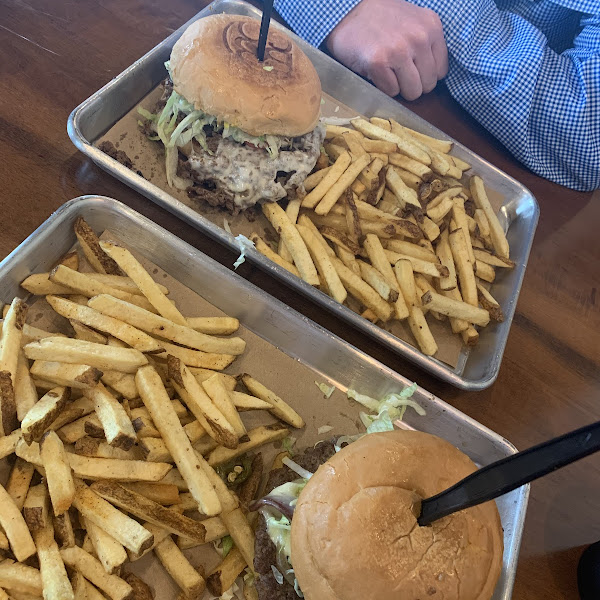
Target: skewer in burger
{"points": [[354, 531], [238, 131]]}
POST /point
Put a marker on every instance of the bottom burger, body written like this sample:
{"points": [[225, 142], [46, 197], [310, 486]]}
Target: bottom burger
{"points": [[341, 524]]}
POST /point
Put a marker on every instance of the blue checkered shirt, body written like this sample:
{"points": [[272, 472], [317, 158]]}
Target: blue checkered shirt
{"points": [[528, 70]]}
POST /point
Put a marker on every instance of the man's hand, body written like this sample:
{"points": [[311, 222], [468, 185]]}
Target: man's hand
{"points": [[400, 47]]}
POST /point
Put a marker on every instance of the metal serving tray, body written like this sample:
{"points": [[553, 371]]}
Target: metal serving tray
{"points": [[91, 119], [286, 330]]}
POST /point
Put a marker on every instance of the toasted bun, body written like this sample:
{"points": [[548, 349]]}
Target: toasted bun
{"points": [[214, 66], [355, 535]]}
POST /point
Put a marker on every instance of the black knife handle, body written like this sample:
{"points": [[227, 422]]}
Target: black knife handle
{"points": [[512, 472]]}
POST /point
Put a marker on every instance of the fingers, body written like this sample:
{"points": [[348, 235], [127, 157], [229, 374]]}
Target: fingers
{"points": [[427, 68], [440, 56], [409, 80], [383, 77]]}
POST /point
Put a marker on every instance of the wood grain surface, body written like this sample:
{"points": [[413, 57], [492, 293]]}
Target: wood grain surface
{"points": [[55, 53]]}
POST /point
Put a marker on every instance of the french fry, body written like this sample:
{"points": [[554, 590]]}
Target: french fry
{"points": [[67, 375], [485, 271], [291, 210], [335, 172], [214, 325], [142, 279], [91, 568], [159, 326], [496, 232], [100, 356], [87, 425], [24, 387], [63, 530], [250, 591], [411, 249], [470, 336], [221, 578], [406, 282], [19, 480], [83, 284], [493, 260], [35, 508], [197, 358], [430, 229], [42, 414], [378, 146], [439, 211], [158, 533], [14, 526], [279, 408], [444, 254], [98, 448], [482, 222], [379, 260], [265, 250], [55, 583], [412, 181], [352, 217], [337, 189], [10, 343], [58, 472], [109, 552], [200, 405], [141, 590], [20, 579], [353, 142], [256, 437], [159, 405], [489, 303], [412, 166], [419, 266], [378, 282], [382, 228], [122, 528], [460, 217], [458, 310], [439, 145], [178, 567], [8, 444], [142, 507], [242, 534], [404, 144], [160, 493], [311, 182], [121, 383], [215, 529], [334, 151], [464, 267], [220, 397], [115, 421], [323, 263], [87, 334], [92, 318], [229, 381], [250, 487], [90, 245], [143, 424]]}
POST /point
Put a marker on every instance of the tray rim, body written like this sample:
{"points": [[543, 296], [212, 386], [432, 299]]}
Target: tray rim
{"points": [[400, 347], [75, 206]]}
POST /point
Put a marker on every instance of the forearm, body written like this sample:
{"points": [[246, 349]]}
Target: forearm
{"points": [[541, 105], [313, 20]]}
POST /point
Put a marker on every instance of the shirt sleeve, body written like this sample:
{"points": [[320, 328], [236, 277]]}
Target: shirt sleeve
{"points": [[314, 20], [543, 106]]}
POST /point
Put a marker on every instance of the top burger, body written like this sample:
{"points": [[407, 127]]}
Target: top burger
{"points": [[236, 130]]}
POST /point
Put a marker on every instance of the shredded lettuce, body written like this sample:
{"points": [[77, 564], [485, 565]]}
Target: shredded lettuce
{"points": [[226, 226], [391, 408], [324, 429], [288, 444], [277, 574], [347, 439], [227, 545], [147, 114], [244, 244], [326, 389]]}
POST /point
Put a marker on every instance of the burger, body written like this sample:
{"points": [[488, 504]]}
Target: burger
{"points": [[350, 530], [238, 131]]}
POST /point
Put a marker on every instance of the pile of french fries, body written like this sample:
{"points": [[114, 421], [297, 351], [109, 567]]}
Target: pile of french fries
{"points": [[388, 222], [115, 433]]}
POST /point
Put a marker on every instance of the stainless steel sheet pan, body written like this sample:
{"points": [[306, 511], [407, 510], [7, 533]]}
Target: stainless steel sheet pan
{"points": [[477, 368]]}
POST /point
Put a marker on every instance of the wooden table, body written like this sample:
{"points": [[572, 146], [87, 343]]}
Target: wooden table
{"points": [[56, 53]]}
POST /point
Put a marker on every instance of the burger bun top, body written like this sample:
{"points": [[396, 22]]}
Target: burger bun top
{"points": [[214, 66], [355, 533]]}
